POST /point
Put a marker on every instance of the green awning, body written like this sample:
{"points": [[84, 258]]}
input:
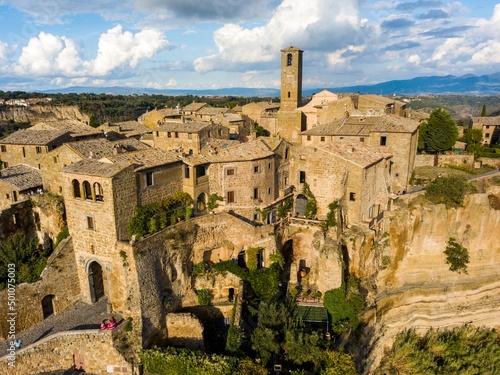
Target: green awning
{"points": [[311, 314]]}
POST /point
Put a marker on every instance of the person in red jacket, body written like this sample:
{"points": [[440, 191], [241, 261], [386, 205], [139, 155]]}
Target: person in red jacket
{"points": [[112, 323], [104, 324]]}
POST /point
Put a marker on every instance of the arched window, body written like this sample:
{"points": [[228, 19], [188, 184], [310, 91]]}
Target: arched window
{"points": [[98, 192], [289, 59], [76, 189], [87, 191]]}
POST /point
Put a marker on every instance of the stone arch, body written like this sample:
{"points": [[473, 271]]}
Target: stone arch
{"points": [[87, 191], [289, 59], [98, 192], [201, 202], [300, 205], [48, 305], [76, 189], [96, 280]]}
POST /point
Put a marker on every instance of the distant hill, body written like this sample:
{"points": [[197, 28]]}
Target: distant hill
{"points": [[468, 84]]}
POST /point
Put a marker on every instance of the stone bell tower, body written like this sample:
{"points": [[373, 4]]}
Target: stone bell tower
{"points": [[291, 78]]}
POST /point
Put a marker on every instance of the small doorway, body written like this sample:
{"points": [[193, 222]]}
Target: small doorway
{"points": [[231, 295], [48, 305], [300, 205], [241, 259], [96, 282], [201, 202]]}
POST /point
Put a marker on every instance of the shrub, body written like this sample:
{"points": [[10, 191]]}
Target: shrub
{"points": [[457, 256], [204, 297], [63, 234], [448, 190]]}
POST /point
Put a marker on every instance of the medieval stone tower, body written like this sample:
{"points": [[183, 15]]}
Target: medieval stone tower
{"points": [[290, 120], [291, 78]]}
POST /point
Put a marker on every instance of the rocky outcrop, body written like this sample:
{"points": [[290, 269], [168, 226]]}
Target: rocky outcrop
{"points": [[408, 280], [39, 113]]}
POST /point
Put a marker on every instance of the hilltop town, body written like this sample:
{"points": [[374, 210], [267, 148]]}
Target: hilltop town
{"points": [[171, 218]]}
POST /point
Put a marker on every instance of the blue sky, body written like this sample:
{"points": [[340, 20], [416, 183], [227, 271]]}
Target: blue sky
{"points": [[201, 44]]}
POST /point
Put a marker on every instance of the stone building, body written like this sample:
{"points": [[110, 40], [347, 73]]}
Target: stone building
{"points": [[243, 174], [78, 130], [311, 108], [264, 114], [208, 113], [53, 162], [152, 119], [18, 182], [28, 146], [187, 137], [390, 133], [490, 126], [348, 171], [125, 129]]}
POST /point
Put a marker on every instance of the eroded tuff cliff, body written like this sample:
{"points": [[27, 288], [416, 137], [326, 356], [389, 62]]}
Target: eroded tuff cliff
{"points": [[40, 113], [409, 283]]}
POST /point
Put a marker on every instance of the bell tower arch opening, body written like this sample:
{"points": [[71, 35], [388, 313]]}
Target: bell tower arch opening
{"points": [[291, 78]]}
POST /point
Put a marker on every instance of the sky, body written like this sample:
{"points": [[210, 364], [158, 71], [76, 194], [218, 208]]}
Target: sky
{"points": [[208, 44]]}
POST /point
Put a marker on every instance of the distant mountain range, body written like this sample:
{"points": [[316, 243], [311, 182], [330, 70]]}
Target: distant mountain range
{"points": [[464, 85]]}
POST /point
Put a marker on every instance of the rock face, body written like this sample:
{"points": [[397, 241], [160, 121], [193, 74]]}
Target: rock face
{"points": [[413, 287], [40, 113]]}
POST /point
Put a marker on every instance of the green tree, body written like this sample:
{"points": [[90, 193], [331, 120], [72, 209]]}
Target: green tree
{"points": [[265, 343], [473, 139], [441, 133], [483, 111], [25, 253], [449, 190], [422, 134], [93, 122], [457, 256], [302, 347], [338, 363], [212, 201]]}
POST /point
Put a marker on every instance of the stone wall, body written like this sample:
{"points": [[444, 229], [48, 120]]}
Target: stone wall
{"points": [[186, 330], [290, 124], [494, 162], [58, 279], [38, 113], [93, 350], [463, 160]]}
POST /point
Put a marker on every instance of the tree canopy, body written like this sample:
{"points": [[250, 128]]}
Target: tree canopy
{"points": [[449, 190], [439, 133]]}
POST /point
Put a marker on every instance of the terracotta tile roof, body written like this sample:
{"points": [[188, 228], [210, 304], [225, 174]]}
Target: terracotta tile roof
{"points": [[183, 127], [34, 137], [194, 106], [21, 177], [76, 128], [355, 152], [363, 125], [236, 109], [98, 148], [491, 120], [128, 128], [211, 111], [92, 167], [247, 151], [144, 159]]}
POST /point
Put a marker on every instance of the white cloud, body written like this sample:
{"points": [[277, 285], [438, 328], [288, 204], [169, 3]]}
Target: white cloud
{"points": [[342, 57], [118, 48], [314, 24], [52, 55], [414, 59], [3, 51]]}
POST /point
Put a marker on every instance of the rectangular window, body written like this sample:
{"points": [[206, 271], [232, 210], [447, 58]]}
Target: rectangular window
{"points": [[288, 93], [157, 133], [90, 222], [383, 140], [38, 150], [169, 134], [230, 197], [361, 139], [302, 177], [220, 132], [487, 135], [14, 195], [190, 135], [308, 137], [55, 159], [256, 193], [149, 178], [24, 152], [269, 191], [352, 196], [5, 164], [209, 134], [322, 139], [176, 134], [4, 148], [186, 171], [230, 172], [269, 166], [256, 168], [256, 216]]}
